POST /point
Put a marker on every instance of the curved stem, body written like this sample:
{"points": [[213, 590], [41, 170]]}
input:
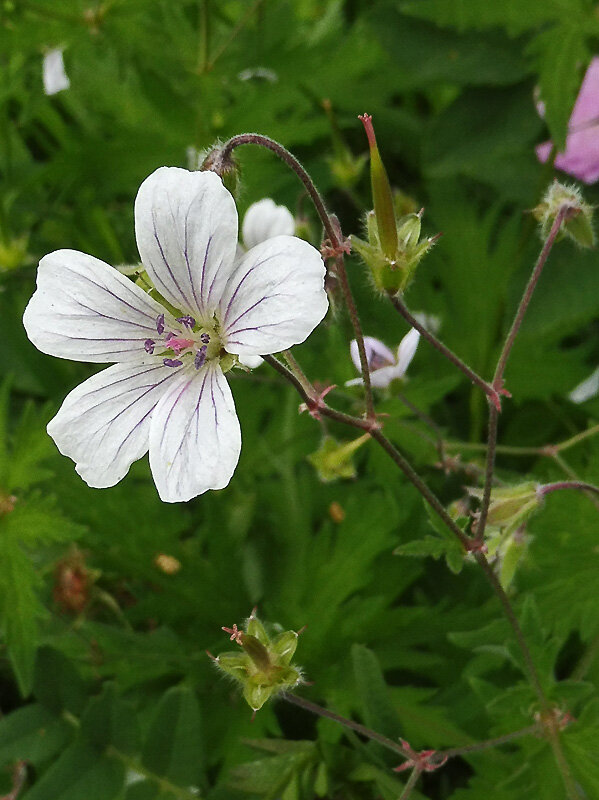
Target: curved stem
{"points": [[452, 752], [580, 485], [347, 723], [332, 231], [564, 213]]}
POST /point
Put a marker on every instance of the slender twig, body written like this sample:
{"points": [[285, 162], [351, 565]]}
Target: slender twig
{"points": [[512, 450], [509, 612], [412, 781], [332, 231], [563, 464], [347, 723], [430, 337], [580, 485], [564, 213], [298, 371], [452, 752], [417, 481], [319, 407]]}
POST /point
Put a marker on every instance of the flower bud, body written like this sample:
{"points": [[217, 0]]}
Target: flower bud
{"points": [[578, 222], [511, 506], [264, 667], [393, 249], [333, 459], [381, 195]]}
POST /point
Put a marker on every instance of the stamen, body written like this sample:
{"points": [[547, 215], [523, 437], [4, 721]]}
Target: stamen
{"points": [[160, 324], [172, 362], [200, 357], [149, 346], [205, 337], [187, 320], [170, 335]]}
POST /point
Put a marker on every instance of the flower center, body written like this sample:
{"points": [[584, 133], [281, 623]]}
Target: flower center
{"points": [[189, 342]]}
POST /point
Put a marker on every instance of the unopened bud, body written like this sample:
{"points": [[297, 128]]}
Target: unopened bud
{"points": [[333, 459], [577, 215], [381, 195]]}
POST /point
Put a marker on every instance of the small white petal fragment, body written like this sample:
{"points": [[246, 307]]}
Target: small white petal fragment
{"points": [[265, 219], [54, 74], [104, 424], [377, 353], [251, 362], [406, 351], [85, 310], [195, 439], [274, 299], [587, 389], [186, 229]]}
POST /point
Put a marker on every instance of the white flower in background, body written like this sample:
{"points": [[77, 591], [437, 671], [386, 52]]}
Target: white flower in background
{"points": [[265, 219], [384, 365], [166, 390], [54, 74], [587, 389]]}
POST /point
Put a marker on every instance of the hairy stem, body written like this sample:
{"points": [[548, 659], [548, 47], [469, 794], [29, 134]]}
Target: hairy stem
{"points": [[400, 306], [564, 213], [347, 723], [412, 781], [452, 752], [332, 231], [580, 485]]}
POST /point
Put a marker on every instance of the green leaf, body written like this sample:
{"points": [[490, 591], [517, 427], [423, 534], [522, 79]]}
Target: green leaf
{"points": [[559, 54], [377, 710], [514, 15], [174, 745], [32, 732], [57, 683], [80, 772], [270, 776], [108, 720]]}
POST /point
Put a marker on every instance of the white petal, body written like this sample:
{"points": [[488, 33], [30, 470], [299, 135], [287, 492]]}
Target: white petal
{"points": [[195, 438], [406, 350], [587, 389], [381, 378], [275, 298], [54, 74], [85, 310], [265, 219], [251, 362], [377, 353], [104, 424], [186, 228]]}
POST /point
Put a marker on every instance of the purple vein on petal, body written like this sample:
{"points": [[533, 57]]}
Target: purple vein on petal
{"points": [[187, 305]]}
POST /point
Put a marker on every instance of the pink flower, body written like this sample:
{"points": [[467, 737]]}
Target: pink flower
{"points": [[581, 156]]}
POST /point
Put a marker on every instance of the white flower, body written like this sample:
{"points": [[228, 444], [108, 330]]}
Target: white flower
{"points": [[166, 391], [54, 74], [265, 219], [587, 389], [383, 364]]}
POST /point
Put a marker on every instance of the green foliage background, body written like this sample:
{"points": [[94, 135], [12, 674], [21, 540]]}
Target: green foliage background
{"points": [[120, 701]]}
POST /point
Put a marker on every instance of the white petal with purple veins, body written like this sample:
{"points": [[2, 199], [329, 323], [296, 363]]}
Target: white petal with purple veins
{"points": [[406, 350], [265, 219], [104, 424], [274, 299], [85, 310], [195, 438], [186, 229]]}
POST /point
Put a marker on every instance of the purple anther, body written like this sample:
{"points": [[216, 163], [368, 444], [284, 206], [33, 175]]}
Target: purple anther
{"points": [[187, 320], [160, 324], [149, 345], [172, 362], [205, 337], [200, 357], [170, 335]]}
